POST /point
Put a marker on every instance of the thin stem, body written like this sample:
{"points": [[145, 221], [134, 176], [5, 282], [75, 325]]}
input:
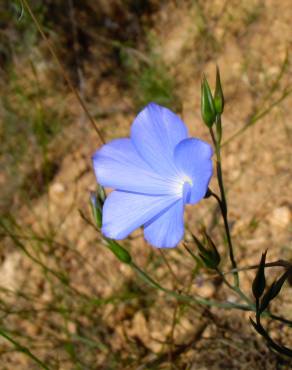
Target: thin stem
{"points": [[279, 263], [258, 115], [223, 205], [171, 334], [23, 349], [186, 298], [191, 253], [169, 268], [64, 73], [281, 319], [236, 289]]}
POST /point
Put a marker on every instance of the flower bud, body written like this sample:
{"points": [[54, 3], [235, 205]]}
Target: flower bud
{"points": [[97, 200], [96, 210], [273, 291], [209, 253], [207, 104], [218, 94], [259, 283], [120, 252], [213, 251]]}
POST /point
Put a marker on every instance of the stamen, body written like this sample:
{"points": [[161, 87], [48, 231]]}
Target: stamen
{"points": [[187, 189], [188, 180]]}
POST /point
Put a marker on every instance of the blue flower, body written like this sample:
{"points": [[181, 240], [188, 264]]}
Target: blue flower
{"points": [[155, 173]]}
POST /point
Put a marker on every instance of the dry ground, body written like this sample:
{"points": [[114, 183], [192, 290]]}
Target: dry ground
{"points": [[129, 324]]}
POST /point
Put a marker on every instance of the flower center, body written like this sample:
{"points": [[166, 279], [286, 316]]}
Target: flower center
{"points": [[188, 180]]}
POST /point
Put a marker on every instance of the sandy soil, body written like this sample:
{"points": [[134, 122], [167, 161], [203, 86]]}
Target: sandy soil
{"points": [[249, 41]]}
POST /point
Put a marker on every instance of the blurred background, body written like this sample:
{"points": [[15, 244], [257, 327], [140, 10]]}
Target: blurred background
{"points": [[63, 295]]}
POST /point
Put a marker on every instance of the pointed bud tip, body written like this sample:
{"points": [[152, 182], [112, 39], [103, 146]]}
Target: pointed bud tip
{"points": [[207, 103], [259, 283], [218, 94]]}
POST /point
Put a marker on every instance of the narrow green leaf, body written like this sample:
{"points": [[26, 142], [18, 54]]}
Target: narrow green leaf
{"points": [[273, 291]]}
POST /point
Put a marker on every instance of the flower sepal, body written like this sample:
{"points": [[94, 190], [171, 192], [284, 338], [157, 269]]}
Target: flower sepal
{"points": [[207, 104], [208, 252], [96, 201], [120, 252]]}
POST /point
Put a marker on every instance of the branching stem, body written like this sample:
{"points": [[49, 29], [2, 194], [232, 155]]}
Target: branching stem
{"points": [[187, 298]]}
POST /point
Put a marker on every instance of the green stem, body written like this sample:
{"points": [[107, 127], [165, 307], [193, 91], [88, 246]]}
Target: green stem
{"points": [[186, 298], [278, 263], [23, 349], [223, 205], [236, 289]]}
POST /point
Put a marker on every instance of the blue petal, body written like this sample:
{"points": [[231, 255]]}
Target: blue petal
{"points": [[166, 230], [119, 166], [193, 158], [123, 212], [155, 133]]}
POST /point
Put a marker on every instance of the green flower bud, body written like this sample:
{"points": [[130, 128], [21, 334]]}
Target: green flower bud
{"points": [[120, 252], [213, 251], [207, 104], [218, 94], [96, 200], [209, 253], [96, 208]]}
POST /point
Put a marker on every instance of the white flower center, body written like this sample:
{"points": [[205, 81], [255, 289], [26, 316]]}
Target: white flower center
{"points": [[183, 183], [188, 180]]}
